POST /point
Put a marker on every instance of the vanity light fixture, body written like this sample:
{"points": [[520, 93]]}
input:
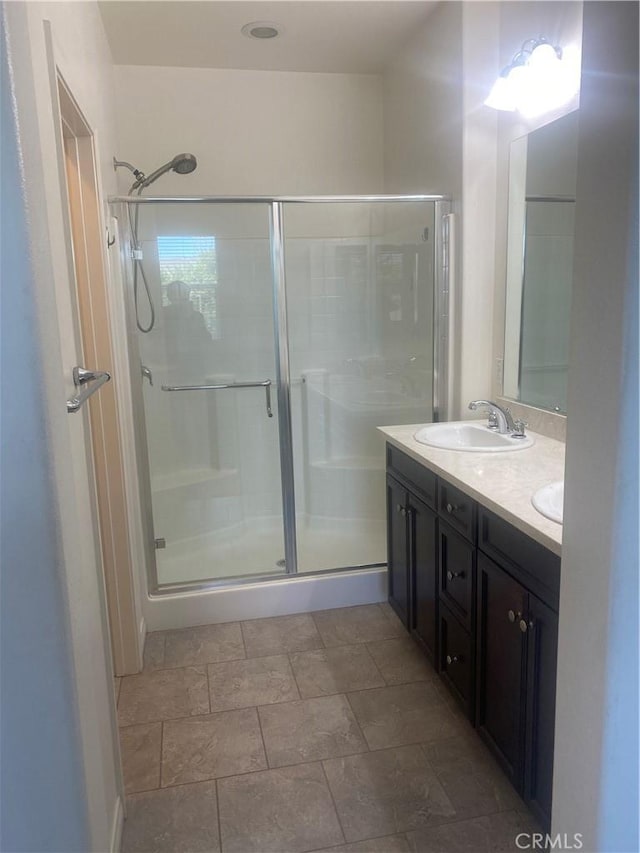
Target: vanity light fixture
{"points": [[539, 78]]}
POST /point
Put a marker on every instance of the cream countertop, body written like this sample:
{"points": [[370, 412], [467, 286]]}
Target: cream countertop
{"points": [[501, 482]]}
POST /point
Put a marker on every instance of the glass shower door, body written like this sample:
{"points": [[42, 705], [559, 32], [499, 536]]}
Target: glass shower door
{"points": [[209, 374], [360, 298]]}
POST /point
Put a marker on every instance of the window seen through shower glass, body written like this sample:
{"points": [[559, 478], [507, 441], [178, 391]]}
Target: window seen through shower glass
{"points": [[192, 261]]}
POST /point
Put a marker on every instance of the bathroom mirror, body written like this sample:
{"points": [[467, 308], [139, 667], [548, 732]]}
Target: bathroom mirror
{"points": [[542, 186]]}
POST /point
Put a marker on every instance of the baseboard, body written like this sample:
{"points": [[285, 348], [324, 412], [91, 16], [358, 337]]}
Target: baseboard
{"points": [[117, 826]]}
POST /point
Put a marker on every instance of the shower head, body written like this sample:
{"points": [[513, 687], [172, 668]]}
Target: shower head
{"points": [[182, 164]]}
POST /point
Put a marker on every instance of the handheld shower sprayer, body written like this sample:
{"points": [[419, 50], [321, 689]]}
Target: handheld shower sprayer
{"points": [[181, 164]]}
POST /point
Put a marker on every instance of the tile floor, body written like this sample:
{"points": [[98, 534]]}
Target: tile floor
{"points": [[314, 732]]}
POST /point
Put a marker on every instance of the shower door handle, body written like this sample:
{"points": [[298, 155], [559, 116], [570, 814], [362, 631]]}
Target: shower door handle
{"points": [[265, 383]]}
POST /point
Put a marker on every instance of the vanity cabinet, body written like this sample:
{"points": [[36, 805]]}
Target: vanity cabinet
{"points": [[482, 599], [411, 547]]}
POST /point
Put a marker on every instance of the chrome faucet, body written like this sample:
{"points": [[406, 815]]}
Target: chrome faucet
{"points": [[499, 418]]}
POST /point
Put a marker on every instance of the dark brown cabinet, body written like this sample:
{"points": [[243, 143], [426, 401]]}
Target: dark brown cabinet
{"points": [[398, 549], [422, 544], [501, 674], [516, 677], [482, 599]]}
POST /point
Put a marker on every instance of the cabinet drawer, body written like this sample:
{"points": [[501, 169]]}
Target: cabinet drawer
{"points": [[457, 559], [537, 568], [421, 479], [456, 663], [458, 509]]}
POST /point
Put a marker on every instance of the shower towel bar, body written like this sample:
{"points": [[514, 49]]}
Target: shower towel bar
{"points": [[265, 383], [81, 376]]}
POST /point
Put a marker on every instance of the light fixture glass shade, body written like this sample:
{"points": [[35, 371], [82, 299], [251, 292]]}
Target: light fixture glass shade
{"points": [[501, 96], [537, 80]]}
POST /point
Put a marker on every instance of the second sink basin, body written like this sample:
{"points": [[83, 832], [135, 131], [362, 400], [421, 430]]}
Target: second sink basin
{"points": [[470, 436], [549, 501]]}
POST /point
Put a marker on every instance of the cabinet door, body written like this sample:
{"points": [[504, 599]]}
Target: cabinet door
{"points": [[398, 549], [422, 523], [501, 677], [542, 653]]}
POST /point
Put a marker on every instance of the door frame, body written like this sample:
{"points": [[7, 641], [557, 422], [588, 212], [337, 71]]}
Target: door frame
{"points": [[87, 240]]}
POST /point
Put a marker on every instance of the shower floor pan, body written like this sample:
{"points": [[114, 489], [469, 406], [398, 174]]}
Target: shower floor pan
{"points": [[259, 550]]}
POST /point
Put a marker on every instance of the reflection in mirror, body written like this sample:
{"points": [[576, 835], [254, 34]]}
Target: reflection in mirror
{"points": [[542, 185]]}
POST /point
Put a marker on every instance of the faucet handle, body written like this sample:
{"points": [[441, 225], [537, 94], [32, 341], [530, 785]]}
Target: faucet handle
{"points": [[493, 421], [518, 428]]}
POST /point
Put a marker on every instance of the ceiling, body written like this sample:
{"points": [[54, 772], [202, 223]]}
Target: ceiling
{"points": [[349, 36]]}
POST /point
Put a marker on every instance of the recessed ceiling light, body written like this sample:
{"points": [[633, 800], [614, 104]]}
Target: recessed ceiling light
{"points": [[261, 30]]}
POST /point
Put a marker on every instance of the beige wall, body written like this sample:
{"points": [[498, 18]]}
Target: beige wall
{"points": [[253, 132], [79, 49], [596, 752]]}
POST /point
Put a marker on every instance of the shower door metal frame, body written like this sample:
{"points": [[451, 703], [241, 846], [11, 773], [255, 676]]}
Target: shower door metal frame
{"points": [[442, 316]]}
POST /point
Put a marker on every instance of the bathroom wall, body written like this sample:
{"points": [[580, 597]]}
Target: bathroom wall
{"points": [[596, 753], [437, 138], [253, 132], [79, 49]]}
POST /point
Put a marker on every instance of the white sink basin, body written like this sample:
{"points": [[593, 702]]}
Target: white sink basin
{"points": [[549, 501], [470, 436]]}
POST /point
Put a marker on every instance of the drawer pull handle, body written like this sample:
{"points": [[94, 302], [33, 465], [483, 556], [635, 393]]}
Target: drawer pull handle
{"points": [[453, 575], [453, 659]]}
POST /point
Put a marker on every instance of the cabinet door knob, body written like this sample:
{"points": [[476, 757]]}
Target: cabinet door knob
{"points": [[453, 659], [451, 508], [401, 509], [524, 625], [453, 575], [511, 615]]}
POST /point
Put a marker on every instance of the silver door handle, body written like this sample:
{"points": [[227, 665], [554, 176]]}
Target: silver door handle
{"points": [[81, 377], [147, 374], [265, 383]]}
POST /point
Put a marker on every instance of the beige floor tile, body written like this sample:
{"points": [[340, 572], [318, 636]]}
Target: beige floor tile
{"points": [[362, 624], [401, 661], [153, 657], [163, 695], [203, 644], [140, 750], [280, 635], [494, 833], [278, 811], [388, 844], [336, 670], [198, 748], [257, 681], [386, 792], [474, 783], [407, 713], [309, 730], [173, 820]]}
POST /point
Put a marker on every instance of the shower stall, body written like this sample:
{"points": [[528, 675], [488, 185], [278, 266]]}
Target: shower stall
{"points": [[274, 336]]}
